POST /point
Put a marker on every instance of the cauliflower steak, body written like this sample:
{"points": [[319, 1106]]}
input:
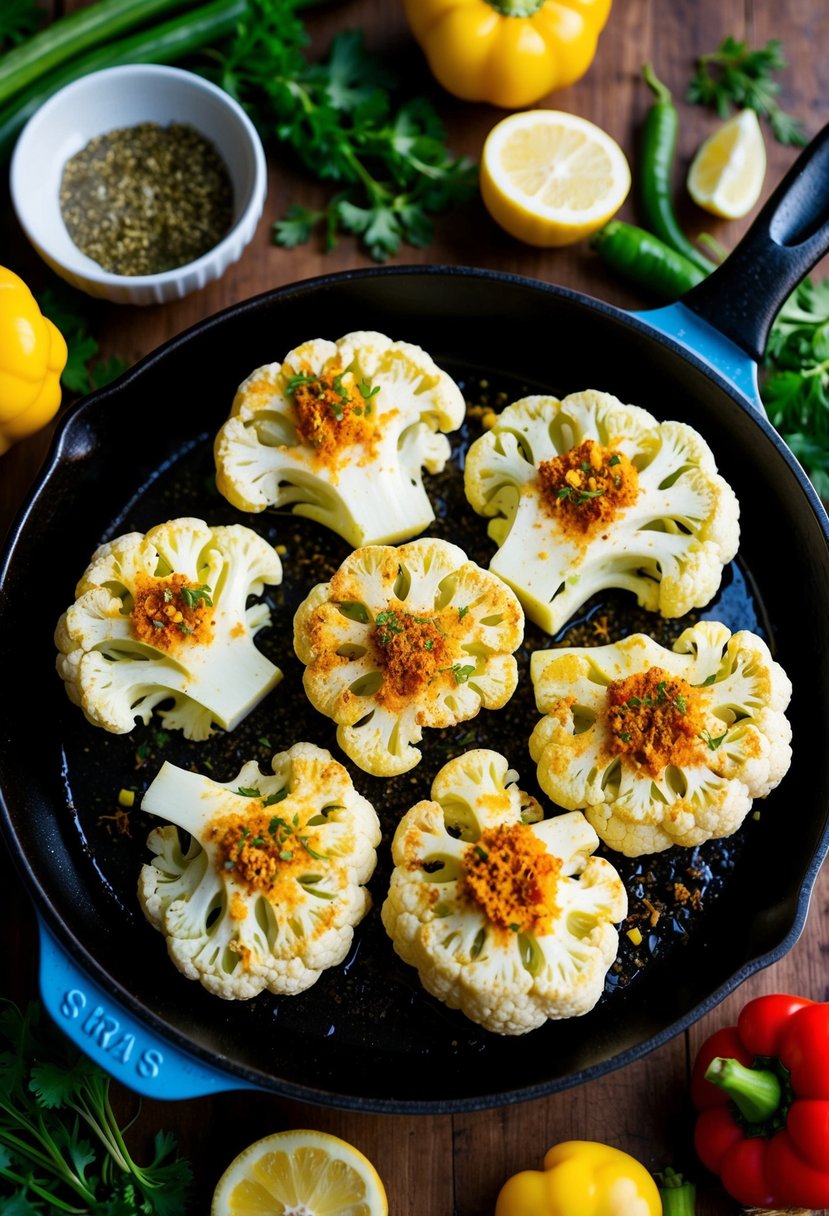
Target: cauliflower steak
{"points": [[506, 916], [270, 887], [586, 493], [161, 620], [662, 747], [402, 638], [340, 432]]}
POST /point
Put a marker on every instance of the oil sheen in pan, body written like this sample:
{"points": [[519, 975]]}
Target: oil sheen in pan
{"points": [[670, 894]]}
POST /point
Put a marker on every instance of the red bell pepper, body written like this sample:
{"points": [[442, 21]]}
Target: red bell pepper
{"points": [[762, 1092]]}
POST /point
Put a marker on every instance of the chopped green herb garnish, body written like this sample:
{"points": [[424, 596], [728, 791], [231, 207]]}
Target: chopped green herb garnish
{"points": [[481, 853], [461, 673], [614, 460], [713, 743], [388, 624], [462, 611], [297, 381], [367, 390], [279, 796], [192, 596], [248, 791], [581, 496]]}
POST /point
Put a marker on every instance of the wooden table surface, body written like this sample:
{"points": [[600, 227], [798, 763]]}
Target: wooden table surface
{"points": [[436, 1166]]}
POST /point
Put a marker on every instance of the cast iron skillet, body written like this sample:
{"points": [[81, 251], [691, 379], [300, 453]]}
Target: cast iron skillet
{"points": [[366, 1036]]}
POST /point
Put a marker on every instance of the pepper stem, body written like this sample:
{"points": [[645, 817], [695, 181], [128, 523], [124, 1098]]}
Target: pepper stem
{"points": [[516, 8], [660, 90], [756, 1092], [678, 1196]]}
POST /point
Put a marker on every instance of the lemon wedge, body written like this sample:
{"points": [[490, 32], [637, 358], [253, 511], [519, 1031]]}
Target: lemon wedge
{"points": [[727, 172], [300, 1173], [552, 178]]}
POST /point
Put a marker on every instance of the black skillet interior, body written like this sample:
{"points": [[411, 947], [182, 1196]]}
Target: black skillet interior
{"points": [[366, 1035]]}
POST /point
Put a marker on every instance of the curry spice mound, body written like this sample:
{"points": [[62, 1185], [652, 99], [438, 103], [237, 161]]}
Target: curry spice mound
{"points": [[587, 486], [332, 416], [169, 611], [410, 650], [513, 879], [259, 848], [655, 720]]}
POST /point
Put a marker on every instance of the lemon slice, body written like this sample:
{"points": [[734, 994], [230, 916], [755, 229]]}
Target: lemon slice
{"points": [[552, 178], [300, 1173], [727, 172]]}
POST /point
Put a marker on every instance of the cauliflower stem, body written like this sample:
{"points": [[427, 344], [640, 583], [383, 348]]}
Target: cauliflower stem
{"points": [[340, 432], [268, 890], [162, 621], [643, 509], [506, 916], [662, 747]]}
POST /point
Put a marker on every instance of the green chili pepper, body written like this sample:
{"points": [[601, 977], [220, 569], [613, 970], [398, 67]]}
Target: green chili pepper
{"points": [[659, 136], [645, 260]]}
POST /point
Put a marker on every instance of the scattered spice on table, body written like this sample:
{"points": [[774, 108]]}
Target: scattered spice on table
{"points": [[148, 198]]}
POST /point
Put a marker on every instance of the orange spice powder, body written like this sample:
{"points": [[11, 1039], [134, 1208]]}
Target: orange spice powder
{"points": [[655, 719], [587, 486], [333, 415], [513, 879], [164, 615], [410, 650]]}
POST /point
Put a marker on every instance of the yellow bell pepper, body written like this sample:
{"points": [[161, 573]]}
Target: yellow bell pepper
{"points": [[582, 1178], [33, 355], [507, 52]]}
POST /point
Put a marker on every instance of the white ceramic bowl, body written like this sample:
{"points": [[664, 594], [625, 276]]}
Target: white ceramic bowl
{"points": [[122, 97]]}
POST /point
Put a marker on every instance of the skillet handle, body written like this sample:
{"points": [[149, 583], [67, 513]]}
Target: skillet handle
{"points": [[742, 297], [103, 1030]]}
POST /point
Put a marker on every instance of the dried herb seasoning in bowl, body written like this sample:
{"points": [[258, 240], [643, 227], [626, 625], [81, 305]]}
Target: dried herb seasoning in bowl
{"points": [[148, 198], [139, 183]]}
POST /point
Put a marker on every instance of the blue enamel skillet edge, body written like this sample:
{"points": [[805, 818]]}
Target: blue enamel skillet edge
{"points": [[373, 1041]]}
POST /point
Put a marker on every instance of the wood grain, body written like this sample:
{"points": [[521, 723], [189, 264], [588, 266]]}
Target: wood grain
{"points": [[440, 1166]]}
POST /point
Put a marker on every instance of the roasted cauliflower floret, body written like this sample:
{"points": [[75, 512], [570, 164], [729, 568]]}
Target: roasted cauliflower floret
{"points": [[586, 494], [160, 620], [506, 916], [340, 432], [662, 747], [403, 638], [269, 888]]}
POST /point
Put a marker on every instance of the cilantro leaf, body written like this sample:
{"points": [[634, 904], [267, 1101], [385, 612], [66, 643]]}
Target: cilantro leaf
{"points": [[342, 120], [351, 78], [51, 1098], [794, 379], [297, 226], [735, 76]]}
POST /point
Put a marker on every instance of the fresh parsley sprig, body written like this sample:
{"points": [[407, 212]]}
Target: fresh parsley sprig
{"points": [[387, 159], [794, 381], [61, 1147], [737, 76]]}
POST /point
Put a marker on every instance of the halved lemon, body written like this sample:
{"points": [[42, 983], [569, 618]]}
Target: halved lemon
{"points": [[300, 1173], [552, 178], [727, 172]]}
